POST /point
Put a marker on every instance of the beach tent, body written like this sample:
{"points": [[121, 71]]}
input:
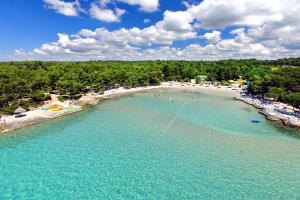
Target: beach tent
{"points": [[19, 110]]}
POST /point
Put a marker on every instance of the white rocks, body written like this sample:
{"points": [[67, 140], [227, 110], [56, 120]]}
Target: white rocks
{"points": [[275, 111]]}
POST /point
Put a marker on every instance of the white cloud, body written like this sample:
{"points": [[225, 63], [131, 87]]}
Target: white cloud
{"points": [[186, 4], [88, 40], [145, 5], [121, 45], [19, 52], [146, 21], [264, 29], [179, 21], [104, 2], [66, 8], [222, 13], [106, 15], [213, 37]]}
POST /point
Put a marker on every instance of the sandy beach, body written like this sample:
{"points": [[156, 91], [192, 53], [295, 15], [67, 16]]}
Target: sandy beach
{"points": [[42, 114], [205, 88], [10, 122], [94, 98]]}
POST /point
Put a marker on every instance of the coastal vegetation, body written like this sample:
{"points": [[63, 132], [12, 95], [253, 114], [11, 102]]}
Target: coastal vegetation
{"points": [[31, 82]]}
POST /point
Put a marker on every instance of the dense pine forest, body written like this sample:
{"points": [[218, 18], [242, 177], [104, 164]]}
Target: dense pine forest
{"points": [[29, 83]]}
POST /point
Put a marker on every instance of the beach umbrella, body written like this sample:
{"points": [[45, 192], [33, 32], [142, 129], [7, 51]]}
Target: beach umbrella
{"points": [[19, 110]]}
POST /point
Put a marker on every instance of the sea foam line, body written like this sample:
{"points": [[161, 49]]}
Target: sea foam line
{"points": [[173, 119]]}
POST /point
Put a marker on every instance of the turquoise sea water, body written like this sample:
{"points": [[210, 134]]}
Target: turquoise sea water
{"points": [[173, 146]]}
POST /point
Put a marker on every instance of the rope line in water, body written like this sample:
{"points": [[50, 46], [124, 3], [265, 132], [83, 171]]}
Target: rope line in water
{"points": [[173, 119]]}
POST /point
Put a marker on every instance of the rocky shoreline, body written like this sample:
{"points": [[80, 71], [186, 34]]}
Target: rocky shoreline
{"points": [[273, 110]]}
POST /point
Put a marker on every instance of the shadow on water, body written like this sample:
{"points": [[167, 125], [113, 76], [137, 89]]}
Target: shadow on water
{"points": [[247, 109]]}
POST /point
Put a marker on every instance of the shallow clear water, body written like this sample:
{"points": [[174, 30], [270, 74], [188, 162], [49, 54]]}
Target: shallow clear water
{"points": [[196, 146]]}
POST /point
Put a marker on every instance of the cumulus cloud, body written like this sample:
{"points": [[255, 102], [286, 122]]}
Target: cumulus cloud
{"points": [[104, 2], [145, 5], [186, 4], [19, 52], [262, 30], [219, 14], [131, 44], [65, 8], [88, 40], [146, 21], [213, 37], [179, 21], [106, 15]]}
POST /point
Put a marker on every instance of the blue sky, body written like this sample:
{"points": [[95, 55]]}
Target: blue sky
{"points": [[148, 29], [32, 25]]}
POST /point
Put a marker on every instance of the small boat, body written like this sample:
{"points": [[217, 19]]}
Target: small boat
{"points": [[256, 121]]}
